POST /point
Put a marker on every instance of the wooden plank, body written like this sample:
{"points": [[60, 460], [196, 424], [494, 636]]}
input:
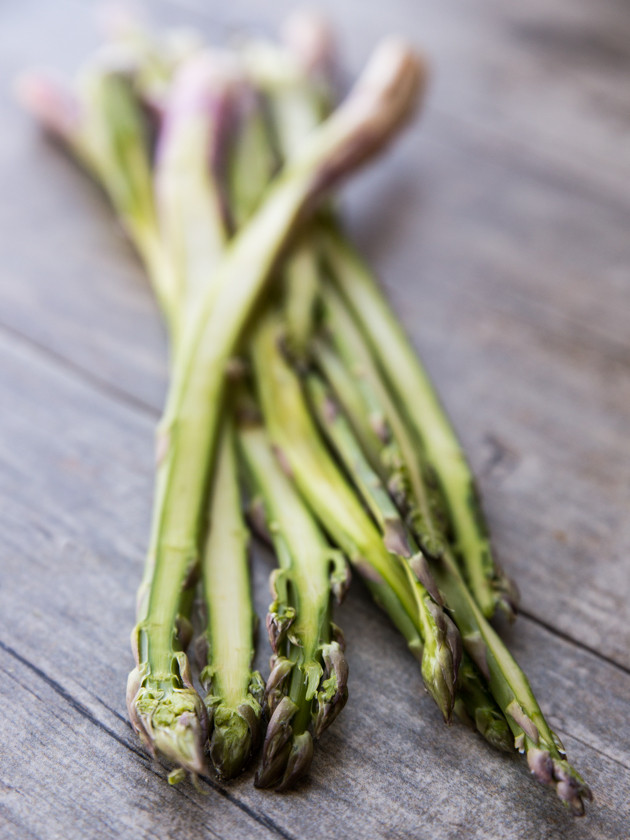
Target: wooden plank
{"points": [[75, 484], [500, 226]]}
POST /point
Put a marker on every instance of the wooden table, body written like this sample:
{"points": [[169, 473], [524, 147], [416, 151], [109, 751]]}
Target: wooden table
{"points": [[501, 228]]}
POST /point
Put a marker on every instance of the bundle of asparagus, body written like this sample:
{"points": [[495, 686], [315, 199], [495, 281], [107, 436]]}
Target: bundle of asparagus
{"points": [[295, 396]]}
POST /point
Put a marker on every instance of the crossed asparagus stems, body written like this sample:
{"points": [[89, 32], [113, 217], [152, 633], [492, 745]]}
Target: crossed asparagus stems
{"points": [[345, 447]]}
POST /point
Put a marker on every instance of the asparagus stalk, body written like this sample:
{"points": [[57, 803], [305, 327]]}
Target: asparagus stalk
{"points": [[510, 688], [473, 703], [336, 505], [507, 683], [190, 195], [193, 226], [380, 104], [307, 687], [101, 123], [413, 389], [476, 706], [297, 87], [235, 692], [442, 643], [397, 457]]}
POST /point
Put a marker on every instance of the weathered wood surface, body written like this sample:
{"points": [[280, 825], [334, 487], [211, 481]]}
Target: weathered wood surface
{"points": [[500, 227]]}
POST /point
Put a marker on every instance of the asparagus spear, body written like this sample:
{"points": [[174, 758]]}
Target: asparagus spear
{"points": [[379, 104], [307, 686], [334, 502], [426, 417], [511, 690], [369, 422], [397, 457], [442, 643], [101, 123], [476, 706], [296, 82], [190, 194], [235, 692], [507, 683]]}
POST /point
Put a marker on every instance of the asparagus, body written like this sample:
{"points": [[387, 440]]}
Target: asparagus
{"points": [[397, 457], [508, 685], [235, 692], [476, 706], [368, 420], [306, 689], [335, 504], [296, 82], [442, 644], [413, 389], [510, 688], [101, 123], [379, 105], [190, 195]]}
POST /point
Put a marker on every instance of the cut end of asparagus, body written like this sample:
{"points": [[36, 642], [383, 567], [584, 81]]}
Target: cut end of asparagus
{"points": [[171, 721], [309, 36], [380, 104], [49, 99], [236, 729], [557, 772], [287, 753]]}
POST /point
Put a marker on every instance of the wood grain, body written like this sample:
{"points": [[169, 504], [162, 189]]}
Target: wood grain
{"points": [[499, 226], [388, 768]]}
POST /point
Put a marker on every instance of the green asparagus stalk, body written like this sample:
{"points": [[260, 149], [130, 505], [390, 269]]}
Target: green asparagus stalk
{"points": [[476, 706], [306, 689], [511, 690], [193, 225], [397, 458], [414, 391], [380, 104], [473, 703], [100, 122], [297, 87], [507, 683], [339, 510], [252, 160], [442, 643], [190, 195], [235, 692]]}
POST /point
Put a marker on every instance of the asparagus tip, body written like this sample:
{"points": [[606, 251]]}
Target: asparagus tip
{"points": [[441, 659], [570, 787], [309, 36], [277, 745], [234, 736], [493, 727]]}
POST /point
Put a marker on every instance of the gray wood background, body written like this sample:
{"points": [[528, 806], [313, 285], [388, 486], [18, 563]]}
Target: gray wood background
{"points": [[501, 227]]}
